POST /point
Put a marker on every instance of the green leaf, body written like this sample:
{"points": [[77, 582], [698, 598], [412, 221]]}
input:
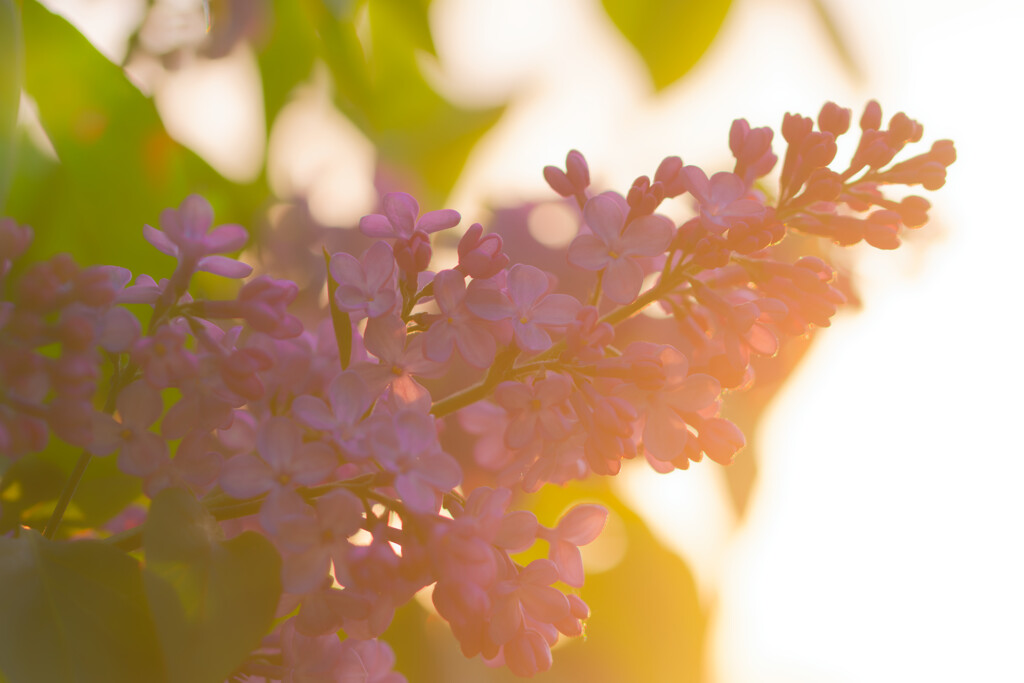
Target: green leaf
{"points": [[118, 166], [73, 611], [412, 16], [670, 35], [10, 91], [341, 320], [422, 139], [27, 483], [212, 601], [287, 58], [417, 132]]}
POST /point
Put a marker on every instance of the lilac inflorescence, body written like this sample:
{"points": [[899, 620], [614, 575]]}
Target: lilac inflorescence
{"points": [[348, 465]]}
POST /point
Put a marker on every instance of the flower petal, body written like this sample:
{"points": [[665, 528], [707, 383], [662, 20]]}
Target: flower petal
{"points": [[401, 209], [526, 284], [246, 476], [159, 240], [433, 221], [224, 266], [226, 238], [376, 225], [605, 217], [589, 252], [622, 280], [582, 523], [555, 309]]}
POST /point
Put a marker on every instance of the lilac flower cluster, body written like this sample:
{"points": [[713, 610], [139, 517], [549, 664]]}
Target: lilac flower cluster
{"points": [[325, 437]]}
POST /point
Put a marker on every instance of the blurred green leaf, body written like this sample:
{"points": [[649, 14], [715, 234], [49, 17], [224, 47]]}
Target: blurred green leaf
{"points": [[340, 320], [10, 91], [118, 166], [416, 129], [212, 601], [647, 623], [73, 611], [412, 17], [287, 58], [344, 9], [422, 139], [670, 35], [28, 481], [102, 493]]}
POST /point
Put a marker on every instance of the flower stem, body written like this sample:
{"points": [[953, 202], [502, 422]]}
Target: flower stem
{"points": [[83, 460], [65, 496]]}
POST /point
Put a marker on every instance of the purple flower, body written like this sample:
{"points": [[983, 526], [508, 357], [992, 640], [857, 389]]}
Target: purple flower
{"points": [[399, 219], [186, 236], [536, 410], [666, 433], [457, 326], [615, 250], [480, 256], [406, 445], [142, 452], [285, 462], [350, 398], [528, 305], [317, 539], [579, 526], [367, 285], [721, 199], [400, 357]]}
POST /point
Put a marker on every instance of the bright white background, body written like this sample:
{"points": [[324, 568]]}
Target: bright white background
{"points": [[884, 538]]}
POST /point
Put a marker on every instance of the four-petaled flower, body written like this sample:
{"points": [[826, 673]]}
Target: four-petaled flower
{"points": [[613, 248]]}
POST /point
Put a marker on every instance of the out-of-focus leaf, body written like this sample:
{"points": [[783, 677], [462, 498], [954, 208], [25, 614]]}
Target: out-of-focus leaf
{"points": [[29, 481], [838, 40], [421, 138], [647, 623], [344, 9], [118, 166], [414, 19], [340, 320], [416, 129], [286, 59], [102, 493], [212, 601], [10, 91], [670, 35], [73, 611]]}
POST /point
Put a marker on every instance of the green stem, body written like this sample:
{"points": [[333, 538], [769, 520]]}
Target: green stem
{"points": [[461, 399], [83, 460], [65, 496]]}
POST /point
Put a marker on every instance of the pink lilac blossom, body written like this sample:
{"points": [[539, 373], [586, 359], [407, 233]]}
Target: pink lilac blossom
{"points": [[529, 306], [186, 236], [332, 451], [284, 463], [399, 220], [140, 451], [456, 326], [365, 286], [613, 247]]}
